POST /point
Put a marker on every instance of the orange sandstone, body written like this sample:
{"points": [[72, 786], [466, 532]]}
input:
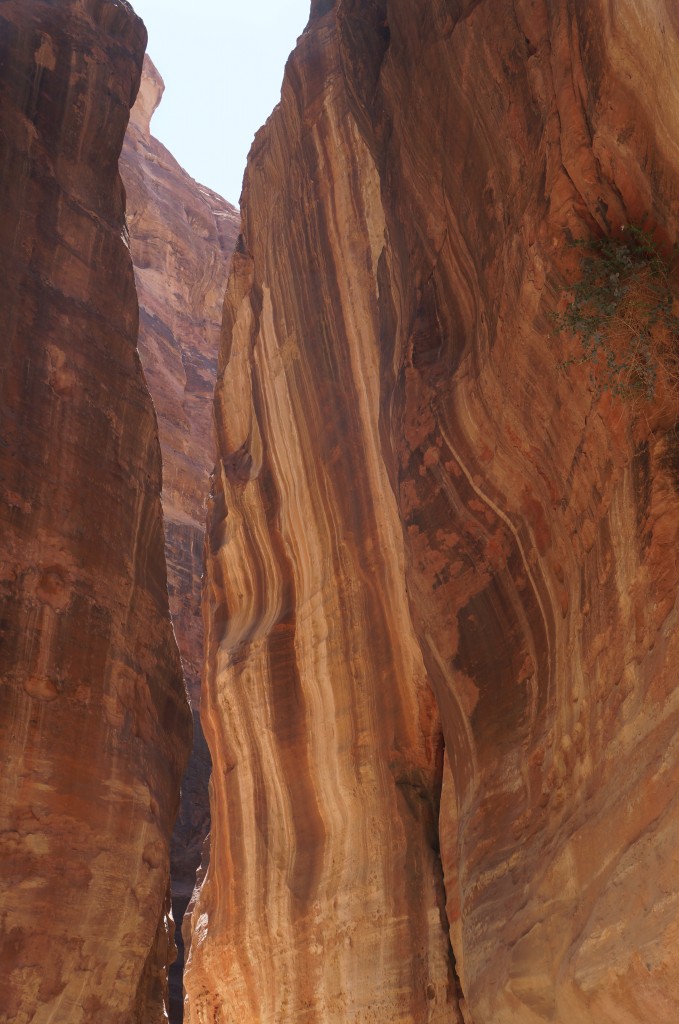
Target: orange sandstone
{"points": [[424, 534]]}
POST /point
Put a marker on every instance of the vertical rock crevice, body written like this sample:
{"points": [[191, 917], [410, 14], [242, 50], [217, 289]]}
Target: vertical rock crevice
{"points": [[181, 238]]}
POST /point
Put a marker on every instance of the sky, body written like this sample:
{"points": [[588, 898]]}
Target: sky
{"points": [[222, 63]]}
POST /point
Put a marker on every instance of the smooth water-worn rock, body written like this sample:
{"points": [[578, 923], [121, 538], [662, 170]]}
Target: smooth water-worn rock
{"points": [[181, 237], [427, 533], [94, 721]]}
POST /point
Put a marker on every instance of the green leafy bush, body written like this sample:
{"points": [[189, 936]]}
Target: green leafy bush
{"points": [[622, 312]]}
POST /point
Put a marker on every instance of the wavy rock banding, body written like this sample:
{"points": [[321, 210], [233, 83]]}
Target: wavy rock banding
{"points": [[94, 722], [430, 545]]}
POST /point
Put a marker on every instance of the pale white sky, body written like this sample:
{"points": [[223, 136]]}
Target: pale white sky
{"points": [[222, 62]]}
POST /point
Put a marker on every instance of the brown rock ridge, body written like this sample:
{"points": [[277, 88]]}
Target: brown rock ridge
{"points": [[424, 532], [181, 238], [94, 722]]}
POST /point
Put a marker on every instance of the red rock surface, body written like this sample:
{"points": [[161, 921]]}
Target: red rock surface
{"points": [[181, 237], [94, 723], [424, 532]]}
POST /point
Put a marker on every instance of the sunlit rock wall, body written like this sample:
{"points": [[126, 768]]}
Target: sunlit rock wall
{"points": [[94, 722], [426, 533]]}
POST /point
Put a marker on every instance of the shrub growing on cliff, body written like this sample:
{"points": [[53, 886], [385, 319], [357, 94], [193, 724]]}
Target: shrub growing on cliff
{"points": [[622, 312]]}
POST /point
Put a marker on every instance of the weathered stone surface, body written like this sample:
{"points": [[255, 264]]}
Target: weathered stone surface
{"points": [[94, 722], [424, 531], [181, 237]]}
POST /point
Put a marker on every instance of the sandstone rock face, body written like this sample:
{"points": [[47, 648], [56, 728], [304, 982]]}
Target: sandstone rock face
{"points": [[425, 534], [94, 721], [181, 236]]}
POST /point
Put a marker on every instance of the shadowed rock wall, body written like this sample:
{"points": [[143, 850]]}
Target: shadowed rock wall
{"points": [[425, 534], [181, 238], [94, 722]]}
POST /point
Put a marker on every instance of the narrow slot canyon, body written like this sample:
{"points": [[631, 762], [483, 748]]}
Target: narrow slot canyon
{"points": [[339, 593], [181, 237]]}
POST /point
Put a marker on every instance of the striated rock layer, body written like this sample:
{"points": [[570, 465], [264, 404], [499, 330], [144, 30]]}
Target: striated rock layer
{"points": [[94, 722], [181, 238], [425, 533]]}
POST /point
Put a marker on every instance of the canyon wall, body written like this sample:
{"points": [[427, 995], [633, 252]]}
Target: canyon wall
{"points": [[436, 557], [94, 721], [181, 237]]}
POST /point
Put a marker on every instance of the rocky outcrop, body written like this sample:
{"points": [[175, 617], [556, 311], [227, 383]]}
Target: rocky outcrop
{"points": [[426, 534], [94, 722], [181, 237]]}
